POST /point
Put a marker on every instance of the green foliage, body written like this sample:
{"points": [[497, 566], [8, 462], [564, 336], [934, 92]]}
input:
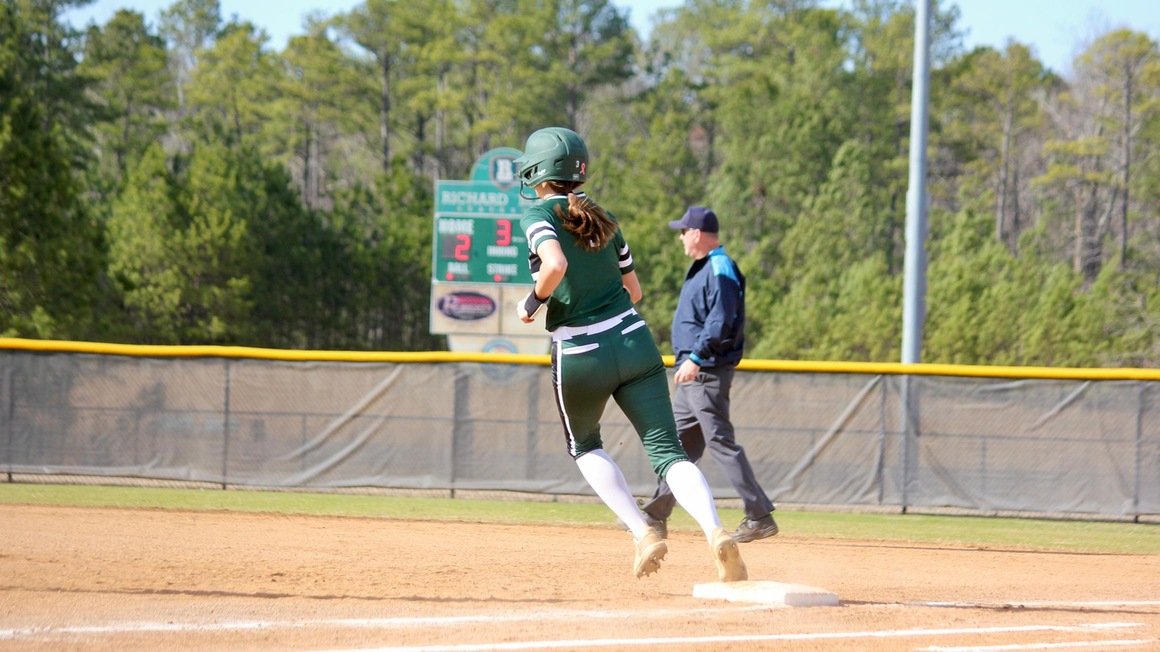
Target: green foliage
{"points": [[587, 48], [782, 116], [187, 184], [181, 251], [188, 26], [994, 95], [50, 247], [974, 304], [386, 282], [834, 278], [233, 86], [312, 124], [133, 87]]}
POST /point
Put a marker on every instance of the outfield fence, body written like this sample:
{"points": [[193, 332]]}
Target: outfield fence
{"points": [[1077, 443]]}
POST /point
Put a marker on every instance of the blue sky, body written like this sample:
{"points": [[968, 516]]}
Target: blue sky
{"points": [[1056, 29]]}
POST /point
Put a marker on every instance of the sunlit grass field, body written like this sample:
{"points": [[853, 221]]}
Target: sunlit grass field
{"points": [[1063, 535]]}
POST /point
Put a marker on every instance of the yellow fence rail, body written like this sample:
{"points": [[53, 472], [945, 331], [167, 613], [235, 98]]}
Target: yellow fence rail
{"points": [[803, 366]]}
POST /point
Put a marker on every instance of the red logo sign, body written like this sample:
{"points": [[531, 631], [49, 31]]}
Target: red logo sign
{"points": [[466, 306]]}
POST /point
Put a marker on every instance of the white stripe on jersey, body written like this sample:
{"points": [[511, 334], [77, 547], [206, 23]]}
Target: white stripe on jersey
{"points": [[537, 233], [625, 256]]}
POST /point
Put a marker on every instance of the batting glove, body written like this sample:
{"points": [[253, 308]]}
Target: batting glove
{"points": [[530, 307]]}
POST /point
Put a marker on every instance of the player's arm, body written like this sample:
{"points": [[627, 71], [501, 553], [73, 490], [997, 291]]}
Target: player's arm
{"points": [[553, 264], [627, 267], [548, 265], [632, 284]]}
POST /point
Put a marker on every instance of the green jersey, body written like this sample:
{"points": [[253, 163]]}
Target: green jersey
{"points": [[592, 289]]}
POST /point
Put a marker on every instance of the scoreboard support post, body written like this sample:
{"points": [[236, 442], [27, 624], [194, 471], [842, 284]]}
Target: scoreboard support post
{"points": [[479, 264]]}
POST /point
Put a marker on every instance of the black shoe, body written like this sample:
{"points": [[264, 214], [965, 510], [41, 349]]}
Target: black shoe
{"points": [[661, 527], [751, 530]]}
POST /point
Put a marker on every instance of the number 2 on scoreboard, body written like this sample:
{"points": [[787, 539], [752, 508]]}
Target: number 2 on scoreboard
{"points": [[463, 246]]}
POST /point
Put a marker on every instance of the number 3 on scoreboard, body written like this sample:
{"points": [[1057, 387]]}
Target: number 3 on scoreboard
{"points": [[503, 232]]}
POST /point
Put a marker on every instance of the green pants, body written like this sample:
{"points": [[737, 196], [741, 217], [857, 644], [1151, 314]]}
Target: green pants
{"points": [[616, 358]]}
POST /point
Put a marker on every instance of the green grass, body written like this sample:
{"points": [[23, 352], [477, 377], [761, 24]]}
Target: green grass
{"points": [[1072, 536]]}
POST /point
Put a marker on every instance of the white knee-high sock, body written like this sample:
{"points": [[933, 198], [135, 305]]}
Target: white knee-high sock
{"points": [[605, 478], [692, 492]]}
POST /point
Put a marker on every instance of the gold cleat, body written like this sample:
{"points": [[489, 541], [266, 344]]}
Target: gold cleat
{"points": [[727, 556], [650, 550]]}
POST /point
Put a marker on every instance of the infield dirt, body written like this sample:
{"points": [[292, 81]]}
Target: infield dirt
{"points": [[132, 579]]}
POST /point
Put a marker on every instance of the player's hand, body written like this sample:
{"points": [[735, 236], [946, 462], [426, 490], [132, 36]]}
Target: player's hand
{"points": [[530, 306], [687, 371]]}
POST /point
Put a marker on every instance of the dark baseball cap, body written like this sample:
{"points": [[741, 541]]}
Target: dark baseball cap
{"points": [[697, 217]]}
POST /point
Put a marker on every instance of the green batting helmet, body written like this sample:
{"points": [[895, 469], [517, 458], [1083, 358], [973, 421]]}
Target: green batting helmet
{"points": [[553, 153]]}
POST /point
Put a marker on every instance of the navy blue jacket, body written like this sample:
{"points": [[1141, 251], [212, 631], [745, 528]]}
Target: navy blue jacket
{"points": [[709, 324]]}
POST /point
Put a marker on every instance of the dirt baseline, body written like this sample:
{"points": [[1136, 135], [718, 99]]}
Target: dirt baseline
{"points": [[131, 579]]}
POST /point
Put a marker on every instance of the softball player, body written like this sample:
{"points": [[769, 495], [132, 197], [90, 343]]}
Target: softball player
{"points": [[601, 347]]}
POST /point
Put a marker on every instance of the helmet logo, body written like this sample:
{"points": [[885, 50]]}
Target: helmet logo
{"points": [[582, 166]]}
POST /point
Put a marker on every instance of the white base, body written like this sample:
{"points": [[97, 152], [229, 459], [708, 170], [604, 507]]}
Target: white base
{"points": [[765, 592]]}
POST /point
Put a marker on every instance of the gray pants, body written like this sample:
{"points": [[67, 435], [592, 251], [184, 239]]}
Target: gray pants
{"points": [[701, 408]]}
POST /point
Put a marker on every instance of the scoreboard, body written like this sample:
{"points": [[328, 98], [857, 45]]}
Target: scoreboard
{"points": [[477, 231], [479, 260], [480, 249]]}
